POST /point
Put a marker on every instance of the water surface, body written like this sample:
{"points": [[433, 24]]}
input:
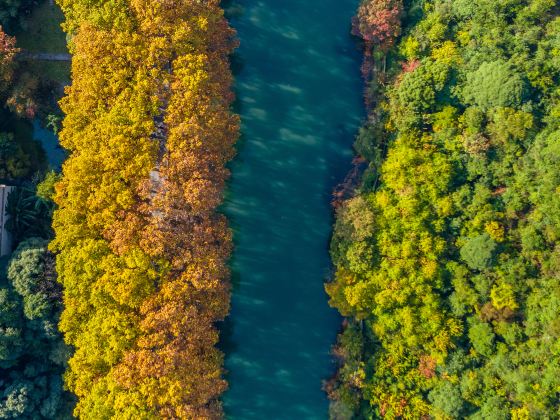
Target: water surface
{"points": [[299, 97], [49, 141]]}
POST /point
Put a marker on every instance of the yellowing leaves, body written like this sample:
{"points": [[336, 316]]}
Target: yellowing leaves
{"points": [[142, 257], [447, 53], [495, 230], [502, 296]]}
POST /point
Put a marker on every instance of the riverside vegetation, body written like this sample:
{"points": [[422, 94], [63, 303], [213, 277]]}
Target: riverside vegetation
{"points": [[447, 257], [33, 355], [141, 250]]}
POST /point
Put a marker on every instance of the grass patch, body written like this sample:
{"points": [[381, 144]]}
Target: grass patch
{"points": [[58, 71], [41, 33]]}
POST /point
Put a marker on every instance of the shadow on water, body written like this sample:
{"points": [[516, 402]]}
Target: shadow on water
{"points": [[298, 93], [236, 64], [49, 141]]}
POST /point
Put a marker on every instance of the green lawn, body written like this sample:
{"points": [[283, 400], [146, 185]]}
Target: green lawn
{"points": [[41, 32]]}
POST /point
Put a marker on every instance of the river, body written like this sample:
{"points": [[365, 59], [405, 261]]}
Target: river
{"points": [[300, 100]]}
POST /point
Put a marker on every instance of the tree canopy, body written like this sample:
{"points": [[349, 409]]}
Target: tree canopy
{"points": [[447, 257], [32, 353], [141, 249]]}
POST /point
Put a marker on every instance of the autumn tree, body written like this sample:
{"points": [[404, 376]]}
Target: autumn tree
{"points": [[378, 22], [141, 249], [8, 52]]}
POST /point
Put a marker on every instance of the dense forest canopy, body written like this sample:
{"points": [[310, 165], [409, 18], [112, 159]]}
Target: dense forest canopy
{"points": [[447, 260], [141, 250]]}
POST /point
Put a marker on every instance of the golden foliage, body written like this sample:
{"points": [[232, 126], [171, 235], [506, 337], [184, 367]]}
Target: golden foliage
{"points": [[141, 250]]}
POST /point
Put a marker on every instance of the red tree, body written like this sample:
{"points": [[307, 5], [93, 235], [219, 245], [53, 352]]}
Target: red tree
{"points": [[378, 22]]}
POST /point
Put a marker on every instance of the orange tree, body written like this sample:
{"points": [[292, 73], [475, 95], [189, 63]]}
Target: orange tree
{"points": [[141, 249]]}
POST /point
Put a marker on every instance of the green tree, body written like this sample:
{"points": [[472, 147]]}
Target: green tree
{"points": [[495, 84], [29, 214], [446, 400], [32, 353], [14, 163], [482, 338], [478, 252]]}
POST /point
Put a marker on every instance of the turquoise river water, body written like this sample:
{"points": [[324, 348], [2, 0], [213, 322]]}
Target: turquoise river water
{"points": [[299, 96]]}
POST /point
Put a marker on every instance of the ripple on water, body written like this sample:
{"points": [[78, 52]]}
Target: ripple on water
{"points": [[299, 96]]}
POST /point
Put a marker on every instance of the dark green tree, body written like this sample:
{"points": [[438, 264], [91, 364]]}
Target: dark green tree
{"points": [[478, 252], [30, 215], [32, 353], [14, 162]]}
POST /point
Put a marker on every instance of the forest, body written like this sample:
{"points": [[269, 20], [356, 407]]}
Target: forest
{"points": [[128, 236], [111, 312], [140, 249], [447, 257]]}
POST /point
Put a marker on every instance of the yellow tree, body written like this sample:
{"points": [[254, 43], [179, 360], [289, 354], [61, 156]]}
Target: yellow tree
{"points": [[141, 250]]}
